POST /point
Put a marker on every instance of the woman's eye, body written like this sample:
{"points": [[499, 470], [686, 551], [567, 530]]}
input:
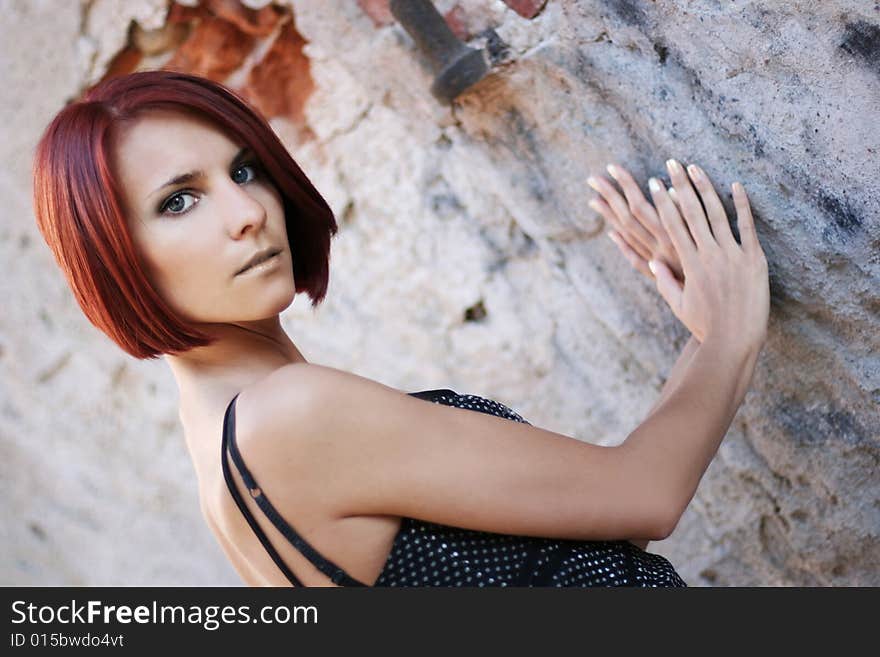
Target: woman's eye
{"points": [[176, 204], [243, 167]]}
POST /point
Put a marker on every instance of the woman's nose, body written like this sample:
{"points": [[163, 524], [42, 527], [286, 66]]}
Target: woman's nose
{"points": [[243, 211]]}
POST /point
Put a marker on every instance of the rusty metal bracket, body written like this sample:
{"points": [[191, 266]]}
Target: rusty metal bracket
{"points": [[456, 65]]}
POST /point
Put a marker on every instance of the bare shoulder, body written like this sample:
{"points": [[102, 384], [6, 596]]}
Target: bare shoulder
{"points": [[291, 399], [356, 447], [285, 422]]}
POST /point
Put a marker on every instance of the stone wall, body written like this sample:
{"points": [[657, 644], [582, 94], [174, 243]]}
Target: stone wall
{"points": [[467, 258]]}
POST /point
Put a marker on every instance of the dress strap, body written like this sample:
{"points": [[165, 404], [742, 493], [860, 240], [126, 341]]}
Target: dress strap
{"points": [[431, 395], [336, 574]]}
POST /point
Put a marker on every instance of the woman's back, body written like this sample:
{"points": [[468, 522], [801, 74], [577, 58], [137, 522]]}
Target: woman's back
{"points": [[362, 543]]}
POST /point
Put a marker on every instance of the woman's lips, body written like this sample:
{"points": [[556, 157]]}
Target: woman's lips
{"points": [[265, 265]]}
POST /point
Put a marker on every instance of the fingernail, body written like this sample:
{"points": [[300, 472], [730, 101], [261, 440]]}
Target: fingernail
{"points": [[654, 184], [611, 236], [673, 166], [652, 267], [695, 172], [612, 170], [594, 204], [592, 182]]}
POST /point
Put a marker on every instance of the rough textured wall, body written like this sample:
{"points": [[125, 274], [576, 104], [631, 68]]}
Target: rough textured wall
{"points": [[95, 480], [467, 258]]}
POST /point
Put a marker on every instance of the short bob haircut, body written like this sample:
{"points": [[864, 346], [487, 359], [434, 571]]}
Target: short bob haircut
{"points": [[78, 206]]}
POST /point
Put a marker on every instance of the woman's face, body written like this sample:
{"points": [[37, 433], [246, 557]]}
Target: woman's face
{"points": [[196, 234]]}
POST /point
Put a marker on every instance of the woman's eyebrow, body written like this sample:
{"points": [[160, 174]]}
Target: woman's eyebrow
{"points": [[189, 176]]}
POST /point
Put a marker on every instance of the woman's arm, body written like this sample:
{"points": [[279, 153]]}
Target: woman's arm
{"points": [[347, 446], [359, 448], [678, 369], [676, 375], [724, 300], [678, 440], [672, 381]]}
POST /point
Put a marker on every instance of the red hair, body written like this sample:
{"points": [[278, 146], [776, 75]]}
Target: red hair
{"points": [[78, 206]]}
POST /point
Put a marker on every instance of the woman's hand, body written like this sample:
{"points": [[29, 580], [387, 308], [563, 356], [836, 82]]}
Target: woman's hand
{"points": [[726, 292], [637, 229]]}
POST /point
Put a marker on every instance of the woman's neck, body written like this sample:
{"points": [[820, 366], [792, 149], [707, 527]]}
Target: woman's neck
{"points": [[208, 377], [241, 354]]}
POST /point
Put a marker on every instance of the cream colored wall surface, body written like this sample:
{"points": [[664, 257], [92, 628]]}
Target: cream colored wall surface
{"points": [[483, 206], [97, 488]]}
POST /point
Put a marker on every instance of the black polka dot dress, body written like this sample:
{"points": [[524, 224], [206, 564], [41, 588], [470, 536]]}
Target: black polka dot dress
{"points": [[431, 554]]}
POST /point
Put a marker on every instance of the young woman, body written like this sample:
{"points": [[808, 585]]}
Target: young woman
{"points": [[184, 228]]}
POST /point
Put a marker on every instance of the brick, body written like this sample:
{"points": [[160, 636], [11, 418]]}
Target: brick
{"points": [[255, 22], [281, 83], [457, 21], [526, 8], [378, 11], [214, 49], [125, 61]]}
